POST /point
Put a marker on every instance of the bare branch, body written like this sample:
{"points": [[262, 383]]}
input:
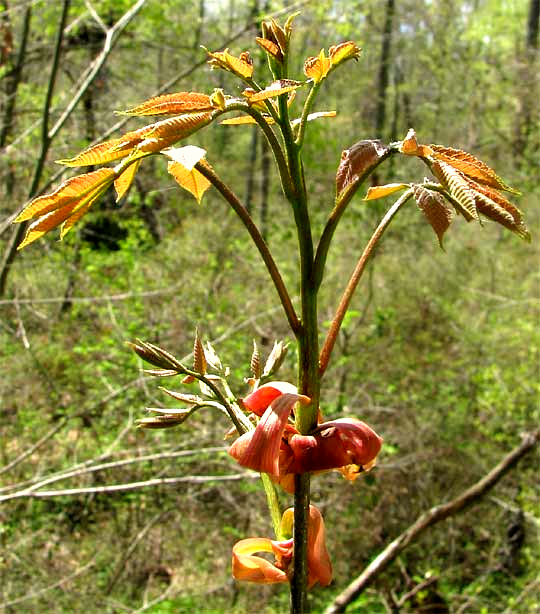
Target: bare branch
{"points": [[128, 486], [429, 518]]}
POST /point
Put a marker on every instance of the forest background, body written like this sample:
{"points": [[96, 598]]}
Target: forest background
{"points": [[439, 352]]}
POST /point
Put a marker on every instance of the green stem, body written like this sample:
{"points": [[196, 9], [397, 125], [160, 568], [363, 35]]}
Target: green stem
{"points": [[273, 504], [308, 362], [305, 112], [331, 337], [260, 243]]}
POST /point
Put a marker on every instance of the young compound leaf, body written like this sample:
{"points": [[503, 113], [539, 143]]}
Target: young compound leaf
{"points": [[438, 213], [357, 162], [241, 66], [380, 191], [282, 86], [173, 104], [66, 205], [458, 188], [470, 166]]}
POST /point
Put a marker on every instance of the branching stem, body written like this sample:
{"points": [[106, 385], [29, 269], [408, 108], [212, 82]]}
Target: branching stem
{"points": [[331, 337]]}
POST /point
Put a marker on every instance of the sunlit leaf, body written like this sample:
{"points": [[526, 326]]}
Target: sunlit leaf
{"points": [[313, 116], [356, 162], [148, 139], [123, 182], [457, 187], [410, 147], [436, 210], [97, 154], [188, 156], [72, 190], [470, 166], [190, 179], [67, 207], [172, 104], [380, 191], [242, 120], [276, 88], [241, 66], [344, 51], [317, 68], [270, 47]]}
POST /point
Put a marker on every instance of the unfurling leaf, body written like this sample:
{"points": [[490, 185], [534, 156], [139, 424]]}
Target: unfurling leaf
{"points": [[494, 206], [317, 67], [97, 154], [282, 86], [157, 356], [348, 50], [123, 182], [243, 120], [255, 362], [241, 66], [410, 147], [380, 191], [271, 48], [68, 202], [312, 116], [275, 359], [173, 104], [182, 169], [199, 358], [458, 187], [164, 421], [438, 213], [357, 162], [470, 166]]}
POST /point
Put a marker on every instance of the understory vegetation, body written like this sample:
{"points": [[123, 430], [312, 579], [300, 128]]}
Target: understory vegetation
{"points": [[439, 352]]}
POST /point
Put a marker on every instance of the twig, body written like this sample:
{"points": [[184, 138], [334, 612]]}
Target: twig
{"points": [[41, 591], [414, 591], [128, 486], [76, 472], [429, 518]]}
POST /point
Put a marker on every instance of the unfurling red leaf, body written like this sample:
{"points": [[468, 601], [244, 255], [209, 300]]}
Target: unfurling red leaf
{"points": [[470, 166], [123, 182], [458, 187], [357, 162], [66, 205], [438, 213], [97, 154], [283, 86], [380, 191], [241, 66], [317, 67], [173, 104], [494, 206]]}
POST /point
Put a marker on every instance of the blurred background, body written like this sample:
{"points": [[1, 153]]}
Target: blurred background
{"points": [[439, 352]]}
